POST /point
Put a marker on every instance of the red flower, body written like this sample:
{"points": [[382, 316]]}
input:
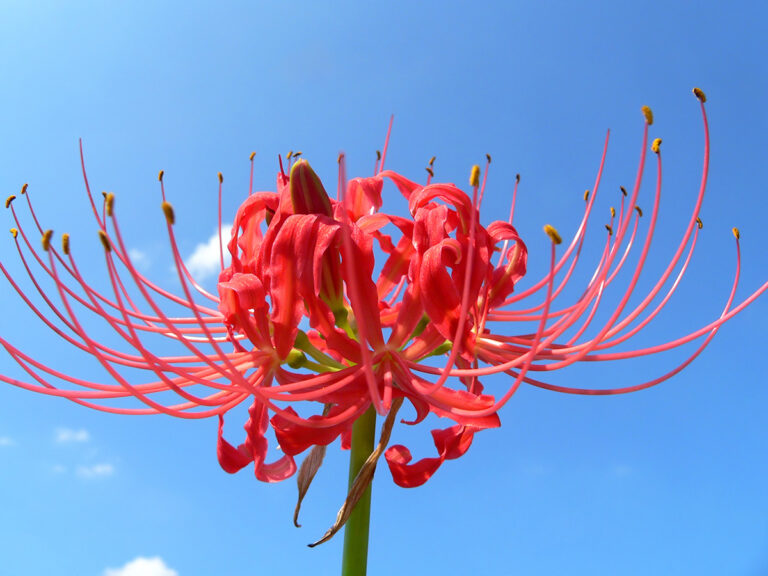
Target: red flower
{"points": [[331, 306]]}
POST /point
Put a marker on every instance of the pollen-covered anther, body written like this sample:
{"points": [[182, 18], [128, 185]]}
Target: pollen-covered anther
{"points": [[109, 203], [431, 160], [623, 190], [289, 155], [252, 156], [46, 239], [736, 233], [65, 244], [488, 157], [105, 241], [648, 115], [699, 223], [378, 155], [700, 95], [430, 171], [24, 188], [586, 195], [517, 178], [8, 200], [610, 229], [553, 234], [656, 146], [297, 154], [160, 175], [14, 232], [474, 176], [613, 212], [221, 178], [340, 157], [639, 211], [168, 211]]}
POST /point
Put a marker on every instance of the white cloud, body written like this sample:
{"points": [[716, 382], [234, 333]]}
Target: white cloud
{"points": [[205, 260], [68, 436], [95, 470], [7, 441], [142, 567], [138, 258]]}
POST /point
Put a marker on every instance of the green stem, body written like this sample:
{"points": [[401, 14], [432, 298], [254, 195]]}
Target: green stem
{"points": [[355, 557]]}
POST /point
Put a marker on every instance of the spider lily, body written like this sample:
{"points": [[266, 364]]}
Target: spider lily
{"points": [[304, 330]]}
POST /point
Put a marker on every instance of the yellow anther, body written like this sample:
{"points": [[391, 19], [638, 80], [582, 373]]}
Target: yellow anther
{"points": [[610, 229], [639, 212], [553, 235], [65, 244], [648, 115], [297, 154], [623, 190], [105, 241], [736, 233], [221, 178], [432, 161], [289, 155], [474, 176], [378, 154], [46, 239], [14, 232], [168, 211], [699, 223], [8, 200], [488, 157], [252, 156], [700, 94], [656, 145], [340, 157], [430, 171], [109, 203], [104, 195], [160, 175], [613, 212], [24, 189], [586, 195], [517, 178]]}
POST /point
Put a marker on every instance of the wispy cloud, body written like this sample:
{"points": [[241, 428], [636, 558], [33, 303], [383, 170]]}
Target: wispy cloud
{"points": [[621, 470], [7, 441], [140, 259], [70, 436], [95, 470], [204, 261], [142, 567]]}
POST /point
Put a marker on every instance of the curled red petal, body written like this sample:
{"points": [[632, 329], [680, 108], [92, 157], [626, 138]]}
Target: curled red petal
{"points": [[451, 443]]}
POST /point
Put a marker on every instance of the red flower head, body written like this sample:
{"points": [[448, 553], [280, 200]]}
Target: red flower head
{"points": [[331, 308]]}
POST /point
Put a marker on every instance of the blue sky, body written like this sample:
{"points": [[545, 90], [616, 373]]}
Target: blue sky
{"points": [[666, 481]]}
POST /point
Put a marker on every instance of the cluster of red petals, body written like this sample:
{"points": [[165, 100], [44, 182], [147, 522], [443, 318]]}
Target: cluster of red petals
{"points": [[332, 307], [300, 259]]}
